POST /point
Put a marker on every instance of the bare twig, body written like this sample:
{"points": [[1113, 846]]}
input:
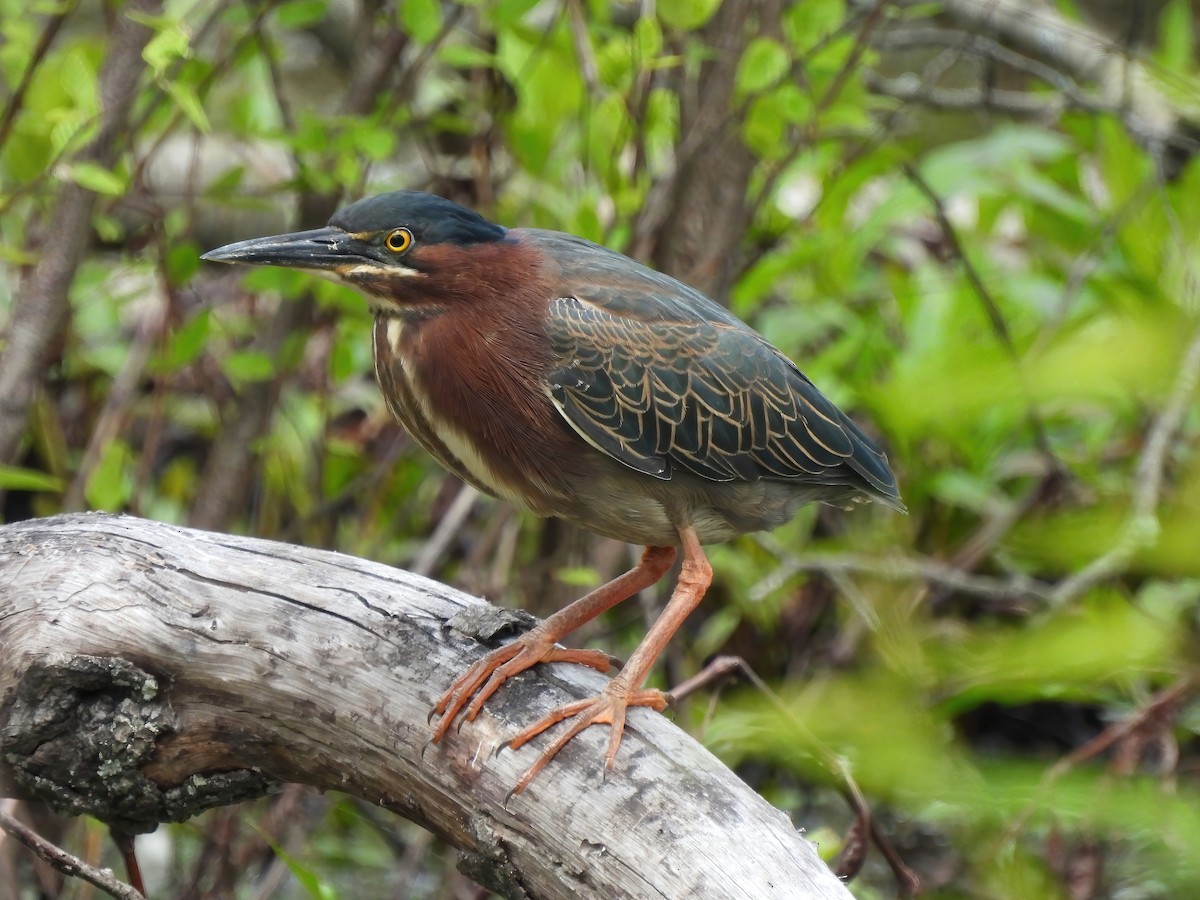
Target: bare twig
{"points": [[1164, 700], [893, 569], [433, 549], [584, 53], [1040, 31], [717, 670], [1022, 104], [65, 862], [270, 55], [1158, 706], [969, 44], [990, 306], [372, 80], [1141, 528], [210, 78], [861, 42], [408, 78], [122, 395]]}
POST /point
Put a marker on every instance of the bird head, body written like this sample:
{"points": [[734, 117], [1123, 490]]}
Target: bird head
{"points": [[400, 249]]}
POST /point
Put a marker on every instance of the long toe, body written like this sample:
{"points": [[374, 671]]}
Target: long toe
{"points": [[471, 689], [606, 708], [465, 685]]}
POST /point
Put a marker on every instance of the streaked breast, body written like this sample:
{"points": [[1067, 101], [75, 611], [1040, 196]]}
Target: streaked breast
{"points": [[409, 401]]}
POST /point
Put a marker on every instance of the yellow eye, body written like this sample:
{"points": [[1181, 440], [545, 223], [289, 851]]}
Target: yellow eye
{"points": [[399, 240]]}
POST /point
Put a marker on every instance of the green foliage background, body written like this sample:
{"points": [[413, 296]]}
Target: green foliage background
{"points": [[1011, 304]]}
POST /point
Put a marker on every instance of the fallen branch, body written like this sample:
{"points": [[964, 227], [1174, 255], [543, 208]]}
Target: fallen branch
{"points": [[150, 672]]}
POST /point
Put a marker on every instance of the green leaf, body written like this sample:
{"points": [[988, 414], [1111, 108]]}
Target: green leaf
{"points": [[187, 343], [183, 259], [303, 13], [806, 24], [764, 63], [189, 103], [226, 183], [464, 56], [15, 478], [764, 129], [506, 13], [345, 354], [111, 483], [109, 228], [421, 18], [1176, 30], [95, 178], [168, 44], [315, 886], [375, 143], [648, 38], [578, 576], [248, 365], [686, 15]]}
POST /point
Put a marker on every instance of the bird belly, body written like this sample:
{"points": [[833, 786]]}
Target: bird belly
{"points": [[632, 507]]}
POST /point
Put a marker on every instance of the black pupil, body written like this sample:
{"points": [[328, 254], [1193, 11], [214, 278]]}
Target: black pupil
{"points": [[397, 240]]}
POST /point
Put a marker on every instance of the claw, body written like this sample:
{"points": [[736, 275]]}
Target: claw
{"points": [[606, 708], [474, 687]]}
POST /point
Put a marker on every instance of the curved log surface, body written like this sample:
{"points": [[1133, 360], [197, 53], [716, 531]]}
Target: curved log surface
{"points": [[148, 672]]}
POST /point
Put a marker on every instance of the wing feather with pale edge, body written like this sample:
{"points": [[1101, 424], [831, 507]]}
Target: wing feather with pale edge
{"points": [[705, 396]]}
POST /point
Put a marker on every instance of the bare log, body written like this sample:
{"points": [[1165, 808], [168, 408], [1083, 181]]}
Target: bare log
{"points": [[148, 672]]}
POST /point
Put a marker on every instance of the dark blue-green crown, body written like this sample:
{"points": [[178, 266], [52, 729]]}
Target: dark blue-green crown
{"points": [[431, 219]]}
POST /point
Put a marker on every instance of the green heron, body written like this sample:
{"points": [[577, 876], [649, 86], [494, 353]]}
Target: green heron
{"points": [[575, 382]]}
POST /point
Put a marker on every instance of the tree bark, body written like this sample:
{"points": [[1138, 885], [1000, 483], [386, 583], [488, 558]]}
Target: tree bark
{"points": [[148, 672]]}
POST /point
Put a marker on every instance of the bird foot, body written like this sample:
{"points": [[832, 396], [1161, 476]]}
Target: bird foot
{"points": [[606, 708], [486, 675]]}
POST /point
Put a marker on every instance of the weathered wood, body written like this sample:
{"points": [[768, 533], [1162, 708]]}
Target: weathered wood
{"points": [[149, 671]]}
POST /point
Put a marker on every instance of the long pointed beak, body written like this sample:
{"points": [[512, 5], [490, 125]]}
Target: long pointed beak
{"points": [[321, 248]]}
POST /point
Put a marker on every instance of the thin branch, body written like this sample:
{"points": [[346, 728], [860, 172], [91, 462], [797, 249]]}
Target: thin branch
{"points": [[270, 55], [122, 395], [990, 306], [205, 84], [976, 44], [1165, 700], [65, 862], [1021, 104], [408, 78], [370, 83], [584, 53], [17, 97], [434, 548], [893, 569], [1041, 31], [861, 43], [1158, 706], [1141, 528]]}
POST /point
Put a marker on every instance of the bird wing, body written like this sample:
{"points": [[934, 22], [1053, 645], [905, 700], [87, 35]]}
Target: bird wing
{"points": [[675, 390]]}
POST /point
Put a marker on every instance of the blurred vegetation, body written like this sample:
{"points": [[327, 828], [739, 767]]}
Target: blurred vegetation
{"points": [[989, 259]]}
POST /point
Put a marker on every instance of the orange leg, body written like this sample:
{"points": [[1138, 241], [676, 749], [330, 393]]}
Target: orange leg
{"points": [[609, 706], [537, 645]]}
